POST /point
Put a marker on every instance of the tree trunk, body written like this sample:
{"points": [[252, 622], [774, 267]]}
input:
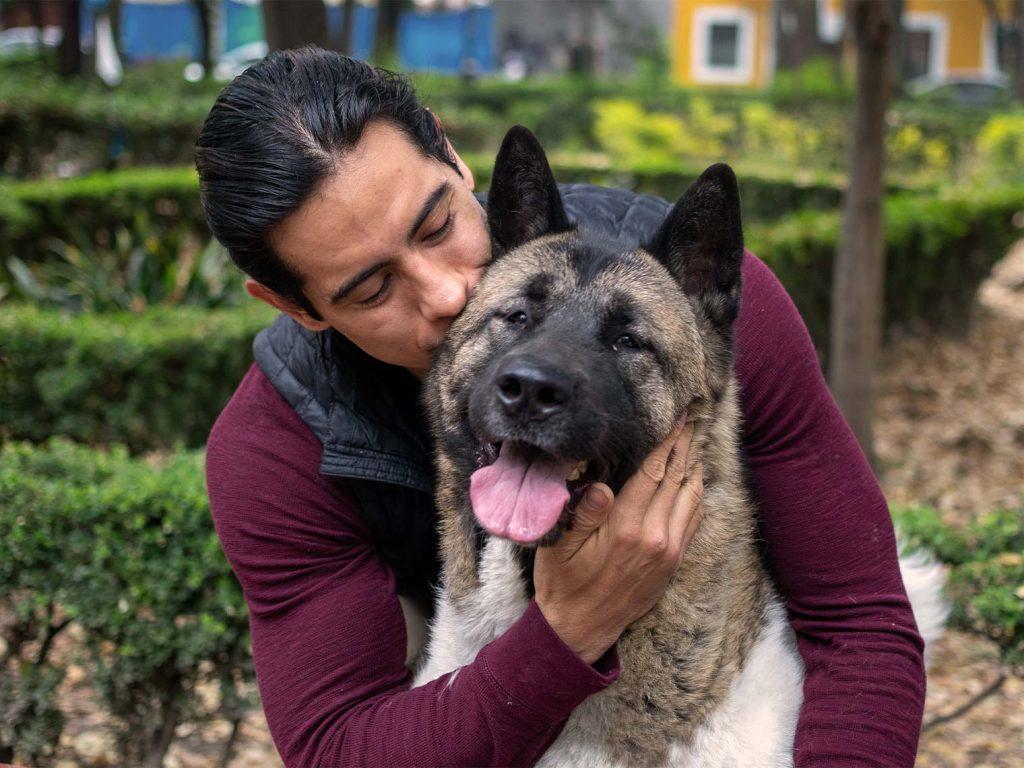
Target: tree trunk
{"points": [[1009, 34], [70, 45], [35, 11], [291, 23], [1015, 48], [856, 332], [385, 47], [161, 740], [228, 750], [114, 12], [204, 10], [899, 47], [340, 39], [796, 30]]}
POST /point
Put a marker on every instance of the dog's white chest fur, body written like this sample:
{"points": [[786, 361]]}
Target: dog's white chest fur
{"points": [[752, 726]]}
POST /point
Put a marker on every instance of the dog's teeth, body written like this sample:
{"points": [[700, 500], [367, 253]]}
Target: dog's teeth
{"points": [[577, 471]]}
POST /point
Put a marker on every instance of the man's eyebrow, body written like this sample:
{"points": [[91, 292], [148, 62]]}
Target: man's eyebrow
{"points": [[425, 210], [353, 283]]}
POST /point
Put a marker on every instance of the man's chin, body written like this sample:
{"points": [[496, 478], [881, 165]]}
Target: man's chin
{"points": [[419, 373]]}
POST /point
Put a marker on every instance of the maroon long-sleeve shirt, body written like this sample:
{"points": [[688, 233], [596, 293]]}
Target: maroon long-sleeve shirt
{"points": [[328, 634]]}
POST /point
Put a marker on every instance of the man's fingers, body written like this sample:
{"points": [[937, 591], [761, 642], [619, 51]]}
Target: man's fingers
{"points": [[645, 480], [688, 508], [590, 512], [639, 490], [657, 462], [675, 473], [659, 511]]}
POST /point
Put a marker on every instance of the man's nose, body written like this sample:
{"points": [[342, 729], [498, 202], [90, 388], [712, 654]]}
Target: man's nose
{"points": [[444, 292]]}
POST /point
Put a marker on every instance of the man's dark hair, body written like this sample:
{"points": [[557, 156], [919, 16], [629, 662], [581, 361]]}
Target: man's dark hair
{"points": [[277, 131]]}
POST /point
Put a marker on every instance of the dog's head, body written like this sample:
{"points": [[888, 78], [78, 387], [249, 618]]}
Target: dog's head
{"points": [[575, 357]]}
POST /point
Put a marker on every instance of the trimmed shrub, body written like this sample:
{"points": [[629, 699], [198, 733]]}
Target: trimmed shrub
{"points": [[48, 125], [125, 550], [148, 380], [139, 271], [938, 249], [986, 582], [155, 206], [1000, 148], [766, 195], [90, 211], [152, 117]]}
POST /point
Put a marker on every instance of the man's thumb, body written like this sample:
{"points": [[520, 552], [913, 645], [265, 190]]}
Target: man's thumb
{"points": [[591, 511]]}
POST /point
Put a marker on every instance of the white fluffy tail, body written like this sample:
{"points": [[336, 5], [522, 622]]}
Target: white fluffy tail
{"points": [[924, 578]]}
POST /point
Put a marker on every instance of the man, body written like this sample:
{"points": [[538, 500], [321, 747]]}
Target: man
{"points": [[338, 194]]}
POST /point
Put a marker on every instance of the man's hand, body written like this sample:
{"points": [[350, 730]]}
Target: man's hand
{"points": [[617, 560]]}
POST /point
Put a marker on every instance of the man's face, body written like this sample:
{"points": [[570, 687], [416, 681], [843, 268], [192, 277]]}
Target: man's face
{"points": [[389, 249]]}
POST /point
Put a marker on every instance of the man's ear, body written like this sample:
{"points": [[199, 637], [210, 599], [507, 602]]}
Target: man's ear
{"points": [[523, 202], [701, 243], [281, 304]]}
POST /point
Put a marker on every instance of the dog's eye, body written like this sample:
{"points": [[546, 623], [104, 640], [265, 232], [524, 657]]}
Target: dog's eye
{"points": [[626, 341], [517, 318]]}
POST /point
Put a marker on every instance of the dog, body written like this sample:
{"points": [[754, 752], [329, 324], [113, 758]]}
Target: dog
{"points": [[569, 364]]}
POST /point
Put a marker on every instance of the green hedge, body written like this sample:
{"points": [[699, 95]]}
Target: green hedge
{"points": [[938, 250], [123, 550], [159, 377], [986, 581], [767, 194], [148, 380], [154, 115], [89, 211]]}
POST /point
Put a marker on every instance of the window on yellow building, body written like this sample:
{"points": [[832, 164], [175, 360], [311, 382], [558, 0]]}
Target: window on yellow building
{"points": [[722, 45], [926, 50], [917, 53], [724, 49]]}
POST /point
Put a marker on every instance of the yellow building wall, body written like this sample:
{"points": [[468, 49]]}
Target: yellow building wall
{"points": [[968, 34], [967, 24], [681, 37]]}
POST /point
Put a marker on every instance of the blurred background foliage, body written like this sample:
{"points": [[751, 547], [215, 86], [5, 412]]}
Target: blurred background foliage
{"points": [[124, 329]]}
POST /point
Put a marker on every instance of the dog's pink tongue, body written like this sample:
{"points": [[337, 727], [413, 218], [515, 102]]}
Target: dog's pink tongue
{"points": [[518, 498]]}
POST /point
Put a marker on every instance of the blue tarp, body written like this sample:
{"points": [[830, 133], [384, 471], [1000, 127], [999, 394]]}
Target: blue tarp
{"points": [[160, 31], [171, 30], [362, 33], [451, 41], [447, 41], [243, 24]]}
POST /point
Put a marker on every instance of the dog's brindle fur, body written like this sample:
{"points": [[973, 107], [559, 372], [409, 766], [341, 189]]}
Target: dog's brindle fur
{"points": [[677, 298]]}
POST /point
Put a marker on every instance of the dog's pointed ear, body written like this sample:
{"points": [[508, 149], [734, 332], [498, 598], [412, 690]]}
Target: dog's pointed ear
{"points": [[701, 243], [523, 202]]}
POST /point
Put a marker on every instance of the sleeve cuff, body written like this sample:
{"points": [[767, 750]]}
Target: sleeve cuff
{"points": [[535, 670]]}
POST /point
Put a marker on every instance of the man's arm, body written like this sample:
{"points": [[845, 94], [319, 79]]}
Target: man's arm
{"points": [[327, 629], [829, 542]]}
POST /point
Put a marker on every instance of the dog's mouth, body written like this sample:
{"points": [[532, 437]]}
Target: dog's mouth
{"points": [[521, 492]]}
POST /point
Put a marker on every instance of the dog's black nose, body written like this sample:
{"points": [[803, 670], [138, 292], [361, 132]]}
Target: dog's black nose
{"points": [[532, 389]]}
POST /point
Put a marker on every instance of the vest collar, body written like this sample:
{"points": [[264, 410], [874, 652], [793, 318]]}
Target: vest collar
{"points": [[368, 415]]}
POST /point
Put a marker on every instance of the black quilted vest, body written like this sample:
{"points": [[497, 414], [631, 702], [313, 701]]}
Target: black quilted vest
{"points": [[368, 415]]}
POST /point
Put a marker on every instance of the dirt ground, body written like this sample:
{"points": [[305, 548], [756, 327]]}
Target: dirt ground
{"points": [[950, 433]]}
